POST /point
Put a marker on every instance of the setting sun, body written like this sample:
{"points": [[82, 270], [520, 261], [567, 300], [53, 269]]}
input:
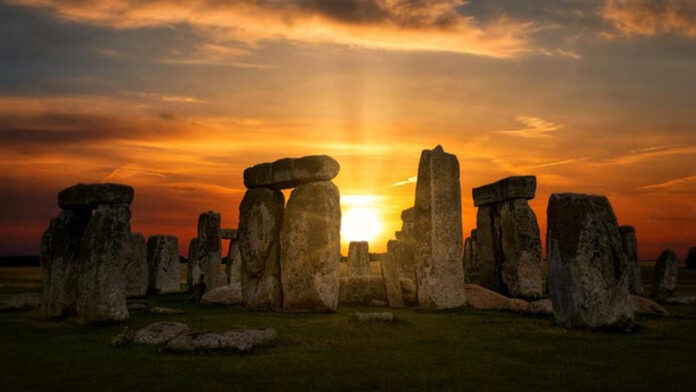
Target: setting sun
{"points": [[360, 224]]}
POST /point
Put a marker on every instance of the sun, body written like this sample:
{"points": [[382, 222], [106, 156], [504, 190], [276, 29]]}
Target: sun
{"points": [[360, 224]]}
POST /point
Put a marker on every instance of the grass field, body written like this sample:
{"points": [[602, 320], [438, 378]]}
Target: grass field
{"points": [[467, 350]]}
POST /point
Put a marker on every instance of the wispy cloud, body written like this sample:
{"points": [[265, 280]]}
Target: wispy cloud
{"points": [[651, 17], [535, 127], [410, 180], [671, 184], [559, 163], [643, 154]]}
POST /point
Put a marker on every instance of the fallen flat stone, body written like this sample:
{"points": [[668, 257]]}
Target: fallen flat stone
{"points": [[665, 275], [689, 300], [510, 188], [160, 332], [137, 269], [384, 317], [642, 305], [587, 264], [24, 301], [228, 234], [361, 290], [378, 303], [163, 263], [541, 306], [136, 305], [358, 258], [165, 310], [481, 298], [224, 295], [91, 195], [630, 243], [242, 340], [437, 232], [291, 172]]}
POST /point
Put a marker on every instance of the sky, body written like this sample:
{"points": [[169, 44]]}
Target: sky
{"points": [[177, 98]]}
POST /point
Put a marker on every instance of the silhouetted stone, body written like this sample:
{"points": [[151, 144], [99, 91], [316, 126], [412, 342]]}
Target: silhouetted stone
{"points": [[209, 252], [510, 188], [260, 221], [691, 259], [163, 263], [291, 172], [358, 258], [194, 273], [438, 232], [392, 284], [361, 289], [59, 247], [91, 195], [105, 248], [136, 268], [228, 234], [665, 275], [234, 267], [471, 264], [310, 248], [588, 267], [630, 244]]}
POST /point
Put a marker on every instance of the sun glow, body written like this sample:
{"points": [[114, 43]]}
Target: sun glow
{"points": [[360, 224]]}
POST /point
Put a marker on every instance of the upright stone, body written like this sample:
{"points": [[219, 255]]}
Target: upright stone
{"points": [[163, 262], [691, 259], [488, 249], [358, 258], [193, 268], [59, 247], [392, 284], [588, 268], [665, 275], [209, 251], [438, 232], [105, 248], [260, 221], [521, 249], [401, 252], [136, 268], [234, 269], [310, 248], [630, 244], [471, 265]]}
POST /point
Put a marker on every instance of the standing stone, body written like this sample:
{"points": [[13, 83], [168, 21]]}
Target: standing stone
{"points": [[59, 247], [392, 284], [665, 275], [234, 269], [193, 268], [358, 258], [136, 268], [471, 265], [209, 251], [487, 249], [588, 267], [163, 262], [630, 244], [438, 232], [691, 259], [310, 248], [402, 253], [105, 248], [260, 221]]}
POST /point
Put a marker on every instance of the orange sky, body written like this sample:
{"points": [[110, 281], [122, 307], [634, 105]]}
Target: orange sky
{"points": [[177, 98]]}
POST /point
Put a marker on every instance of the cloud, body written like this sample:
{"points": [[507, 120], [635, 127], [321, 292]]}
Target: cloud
{"points": [[423, 25], [652, 17], [671, 184], [534, 127], [643, 154], [410, 180], [559, 163]]}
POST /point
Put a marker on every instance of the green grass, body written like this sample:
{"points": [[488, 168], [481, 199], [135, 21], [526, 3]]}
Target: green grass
{"points": [[467, 350]]}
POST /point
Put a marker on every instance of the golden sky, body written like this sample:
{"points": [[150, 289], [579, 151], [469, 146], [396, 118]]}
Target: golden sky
{"points": [[177, 98]]}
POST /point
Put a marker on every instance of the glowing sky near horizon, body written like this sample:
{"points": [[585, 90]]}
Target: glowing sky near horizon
{"points": [[178, 97]]}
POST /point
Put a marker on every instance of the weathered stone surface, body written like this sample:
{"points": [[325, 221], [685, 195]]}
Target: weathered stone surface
{"points": [[165, 310], [384, 317], [588, 267], [689, 300], [193, 268], [392, 285], [224, 295], [228, 234], [402, 253], [160, 333], [258, 239], [136, 305], [358, 258], [691, 259], [471, 265], [361, 289], [163, 263], [481, 298], [310, 248], [24, 301], [642, 305], [510, 188], [105, 248], [209, 252], [409, 291], [136, 267], [665, 275], [438, 232], [291, 172], [630, 244], [521, 250], [234, 266], [59, 265], [91, 195], [242, 340], [541, 306]]}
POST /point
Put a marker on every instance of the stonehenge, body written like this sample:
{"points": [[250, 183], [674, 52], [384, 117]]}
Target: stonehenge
{"points": [[470, 260], [401, 249], [508, 244], [437, 232], [358, 258], [163, 263], [630, 244], [665, 275], [84, 253], [291, 172], [137, 269], [587, 265]]}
